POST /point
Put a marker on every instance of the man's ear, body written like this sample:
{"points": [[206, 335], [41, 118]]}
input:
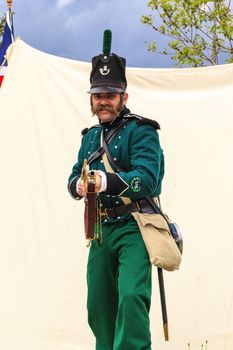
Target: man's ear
{"points": [[125, 98]]}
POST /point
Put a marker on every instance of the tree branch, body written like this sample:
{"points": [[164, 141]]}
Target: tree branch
{"points": [[168, 35], [176, 26], [179, 37]]}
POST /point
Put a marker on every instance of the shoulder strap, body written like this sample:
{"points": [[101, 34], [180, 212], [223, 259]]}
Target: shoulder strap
{"points": [[109, 138], [116, 166]]}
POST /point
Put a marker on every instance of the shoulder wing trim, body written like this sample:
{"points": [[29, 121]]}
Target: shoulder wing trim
{"points": [[85, 130], [142, 120]]}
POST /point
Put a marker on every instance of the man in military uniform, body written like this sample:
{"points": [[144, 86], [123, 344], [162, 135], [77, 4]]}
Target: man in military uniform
{"points": [[119, 270]]}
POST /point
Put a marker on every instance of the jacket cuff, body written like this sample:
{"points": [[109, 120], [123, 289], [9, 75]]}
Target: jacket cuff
{"points": [[116, 186], [72, 187]]}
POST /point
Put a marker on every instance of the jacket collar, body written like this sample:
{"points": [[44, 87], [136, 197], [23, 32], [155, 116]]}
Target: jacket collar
{"points": [[117, 119]]}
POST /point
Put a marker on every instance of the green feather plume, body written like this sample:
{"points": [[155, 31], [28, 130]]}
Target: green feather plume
{"points": [[107, 41]]}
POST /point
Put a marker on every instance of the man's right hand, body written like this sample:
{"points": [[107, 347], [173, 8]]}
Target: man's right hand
{"points": [[81, 188]]}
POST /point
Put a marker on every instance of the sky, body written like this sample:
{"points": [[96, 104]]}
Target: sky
{"points": [[74, 28]]}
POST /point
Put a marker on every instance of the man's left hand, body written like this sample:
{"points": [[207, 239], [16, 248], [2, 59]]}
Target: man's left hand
{"points": [[98, 181]]}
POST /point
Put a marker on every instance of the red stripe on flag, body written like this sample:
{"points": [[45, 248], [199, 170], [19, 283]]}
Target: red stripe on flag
{"points": [[2, 74], [1, 79]]}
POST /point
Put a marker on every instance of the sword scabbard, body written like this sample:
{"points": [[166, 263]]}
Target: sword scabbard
{"points": [[90, 211], [90, 216]]}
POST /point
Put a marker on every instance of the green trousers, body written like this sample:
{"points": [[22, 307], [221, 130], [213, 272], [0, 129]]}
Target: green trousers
{"points": [[119, 289]]}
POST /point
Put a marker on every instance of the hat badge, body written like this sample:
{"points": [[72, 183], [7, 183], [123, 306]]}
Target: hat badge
{"points": [[104, 70]]}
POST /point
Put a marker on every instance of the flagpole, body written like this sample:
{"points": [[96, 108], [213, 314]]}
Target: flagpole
{"points": [[9, 4]]}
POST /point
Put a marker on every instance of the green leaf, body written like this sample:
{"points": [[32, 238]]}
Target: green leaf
{"points": [[194, 29]]}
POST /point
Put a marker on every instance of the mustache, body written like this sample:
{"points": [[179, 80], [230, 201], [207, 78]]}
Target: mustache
{"points": [[104, 108]]}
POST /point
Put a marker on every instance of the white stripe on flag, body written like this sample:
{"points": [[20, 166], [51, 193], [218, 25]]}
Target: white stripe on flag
{"points": [[8, 20], [3, 70]]}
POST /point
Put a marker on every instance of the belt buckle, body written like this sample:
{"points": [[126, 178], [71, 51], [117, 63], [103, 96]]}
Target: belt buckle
{"points": [[104, 213]]}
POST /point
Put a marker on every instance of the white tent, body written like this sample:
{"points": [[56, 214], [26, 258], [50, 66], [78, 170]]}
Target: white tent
{"points": [[43, 107]]}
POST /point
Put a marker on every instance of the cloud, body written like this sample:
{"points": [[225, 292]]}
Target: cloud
{"points": [[64, 3], [74, 28]]}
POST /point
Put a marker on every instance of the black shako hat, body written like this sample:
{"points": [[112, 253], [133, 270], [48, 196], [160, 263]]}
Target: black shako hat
{"points": [[108, 70]]}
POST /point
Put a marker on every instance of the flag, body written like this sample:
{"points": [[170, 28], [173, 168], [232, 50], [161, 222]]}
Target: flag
{"points": [[8, 38]]}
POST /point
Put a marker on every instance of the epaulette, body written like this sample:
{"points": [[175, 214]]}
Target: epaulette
{"points": [[85, 130], [142, 120]]}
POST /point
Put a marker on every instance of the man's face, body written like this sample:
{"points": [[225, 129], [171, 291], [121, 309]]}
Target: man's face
{"points": [[107, 106]]}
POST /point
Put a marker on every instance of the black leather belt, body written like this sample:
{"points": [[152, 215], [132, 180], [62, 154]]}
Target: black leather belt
{"points": [[142, 206]]}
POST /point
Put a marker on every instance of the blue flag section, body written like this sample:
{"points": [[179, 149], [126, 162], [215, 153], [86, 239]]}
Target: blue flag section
{"points": [[7, 40]]}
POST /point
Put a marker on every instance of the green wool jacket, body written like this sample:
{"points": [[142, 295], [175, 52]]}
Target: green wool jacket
{"points": [[136, 148]]}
